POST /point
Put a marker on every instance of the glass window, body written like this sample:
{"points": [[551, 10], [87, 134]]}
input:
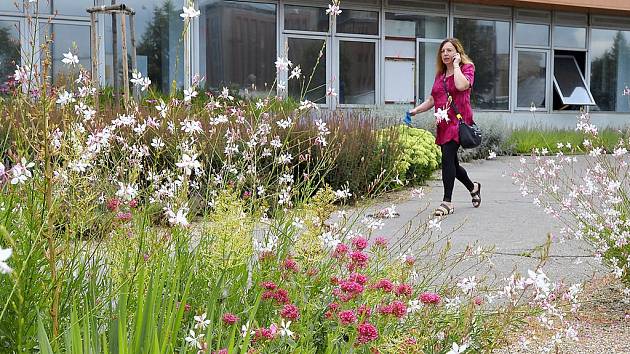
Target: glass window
{"points": [[11, 5], [405, 25], [569, 81], [304, 18], [532, 34], [159, 48], [10, 54], [569, 37], [65, 38], [238, 44], [531, 80], [488, 45], [66, 7], [427, 55], [358, 22], [309, 54], [610, 69], [357, 72]]}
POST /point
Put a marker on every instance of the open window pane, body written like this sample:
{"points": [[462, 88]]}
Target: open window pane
{"points": [[569, 82], [532, 75], [10, 53], [358, 22], [305, 53], [303, 18], [357, 72], [10, 5]]}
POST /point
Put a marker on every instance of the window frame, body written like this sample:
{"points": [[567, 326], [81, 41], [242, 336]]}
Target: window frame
{"points": [[287, 36], [517, 51], [377, 70]]}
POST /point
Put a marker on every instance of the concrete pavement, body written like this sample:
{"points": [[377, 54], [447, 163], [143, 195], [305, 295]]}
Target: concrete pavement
{"points": [[505, 220]]}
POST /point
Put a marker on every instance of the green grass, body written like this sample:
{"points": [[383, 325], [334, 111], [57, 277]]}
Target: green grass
{"points": [[525, 140]]}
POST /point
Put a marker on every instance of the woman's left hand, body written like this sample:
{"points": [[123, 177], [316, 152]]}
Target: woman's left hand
{"points": [[457, 59]]}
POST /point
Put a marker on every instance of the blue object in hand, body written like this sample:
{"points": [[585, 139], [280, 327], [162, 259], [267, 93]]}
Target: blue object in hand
{"points": [[407, 119]]}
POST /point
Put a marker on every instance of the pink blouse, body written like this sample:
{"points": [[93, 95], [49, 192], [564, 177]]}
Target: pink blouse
{"points": [[447, 131]]}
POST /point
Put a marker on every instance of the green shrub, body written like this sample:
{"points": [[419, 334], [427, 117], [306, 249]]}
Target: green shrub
{"points": [[526, 140], [419, 156]]}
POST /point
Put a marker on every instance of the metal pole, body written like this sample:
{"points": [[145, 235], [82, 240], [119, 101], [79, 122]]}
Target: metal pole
{"points": [[95, 78], [134, 63], [125, 63]]}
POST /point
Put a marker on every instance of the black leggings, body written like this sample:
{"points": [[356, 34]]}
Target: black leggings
{"points": [[451, 170]]}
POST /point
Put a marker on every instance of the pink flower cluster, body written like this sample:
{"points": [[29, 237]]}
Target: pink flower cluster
{"points": [[430, 298]]}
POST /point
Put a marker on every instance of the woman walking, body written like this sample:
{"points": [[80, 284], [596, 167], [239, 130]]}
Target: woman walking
{"points": [[450, 96]]}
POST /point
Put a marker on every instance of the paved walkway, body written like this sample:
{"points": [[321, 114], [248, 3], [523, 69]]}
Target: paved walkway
{"points": [[505, 220]]}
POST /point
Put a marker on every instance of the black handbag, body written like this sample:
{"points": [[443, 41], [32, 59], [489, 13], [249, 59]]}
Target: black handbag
{"points": [[469, 135]]}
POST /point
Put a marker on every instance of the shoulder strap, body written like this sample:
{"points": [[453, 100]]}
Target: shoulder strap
{"points": [[450, 98]]}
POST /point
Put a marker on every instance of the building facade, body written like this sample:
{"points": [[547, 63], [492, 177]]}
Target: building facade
{"points": [[554, 55]]}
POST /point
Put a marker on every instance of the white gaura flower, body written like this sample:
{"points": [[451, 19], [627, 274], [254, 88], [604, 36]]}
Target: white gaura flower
{"points": [[306, 104], [282, 85], [331, 92], [138, 80], [202, 322], [157, 143], [70, 59], [162, 108], [21, 172], [296, 73], [194, 339], [532, 108], [333, 10], [190, 94], [179, 218], [65, 97], [492, 155], [283, 64], [5, 254], [126, 191], [225, 93], [414, 306], [467, 284], [343, 193], [189, 13], [440, 115], [457, 349], [188, 163], [284, 123], [284, 329]]}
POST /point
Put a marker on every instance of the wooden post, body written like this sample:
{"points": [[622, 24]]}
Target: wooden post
{"points": [[115, 55], [125, 62], [134, 63], [95, 78]]}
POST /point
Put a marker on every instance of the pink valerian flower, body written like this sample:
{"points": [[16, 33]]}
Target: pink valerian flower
{"points": [[290, 312], [281, 296], [269, 285], [367, 333], [113, 204], [229, 318], [265, 333], [404, 290], [359, 243], [364, 311], [410, 260], [384, 284], [290, 264], [359, 259], [380, 242], [359, 278], [340, 251], [347, 317], [399, 309], [221, 351], [133, 203], [430, 298], [351, 287], [124, 216], [478, 300]]}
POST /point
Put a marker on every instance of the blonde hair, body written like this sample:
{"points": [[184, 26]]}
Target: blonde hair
{"points": [[440, 67]]}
